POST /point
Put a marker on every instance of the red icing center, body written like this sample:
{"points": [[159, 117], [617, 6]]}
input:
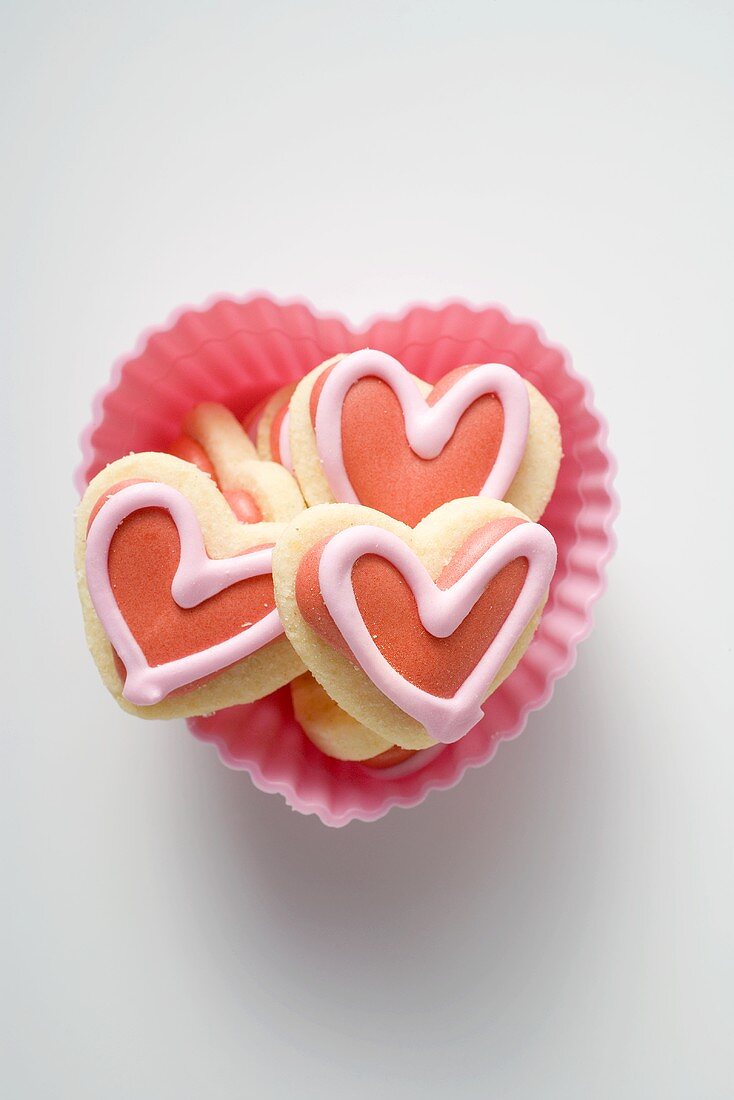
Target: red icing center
{"points": [[385, 472], [143, 558], [389, 609], [242, 503]]}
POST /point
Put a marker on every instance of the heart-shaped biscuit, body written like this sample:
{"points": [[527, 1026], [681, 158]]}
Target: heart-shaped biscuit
{"points": [[365, 431], [336, 734], [331, 729], [409, 630], [177, 594], [267, 426], [215, 441]]}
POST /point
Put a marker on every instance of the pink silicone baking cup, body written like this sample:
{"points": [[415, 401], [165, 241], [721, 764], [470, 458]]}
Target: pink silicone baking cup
{"points": [[237, 351]]}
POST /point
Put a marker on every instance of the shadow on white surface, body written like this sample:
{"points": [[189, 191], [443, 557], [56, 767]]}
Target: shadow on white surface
{"points": [[459, 916]]}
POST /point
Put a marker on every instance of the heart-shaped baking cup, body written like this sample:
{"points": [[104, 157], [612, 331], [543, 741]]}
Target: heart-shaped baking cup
{"points": [[239, 352], [428, 620], [177, 617]]}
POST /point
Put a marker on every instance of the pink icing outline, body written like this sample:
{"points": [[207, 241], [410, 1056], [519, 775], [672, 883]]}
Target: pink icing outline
{"points": [[441, 612], [198, 577], [427, 427]]}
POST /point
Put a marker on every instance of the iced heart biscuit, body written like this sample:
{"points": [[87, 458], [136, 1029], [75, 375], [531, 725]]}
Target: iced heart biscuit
{"points": [[336, 733], [410, 630], [365, 431], [215, 441], [176, 593], [268, 427], [333, 731]]}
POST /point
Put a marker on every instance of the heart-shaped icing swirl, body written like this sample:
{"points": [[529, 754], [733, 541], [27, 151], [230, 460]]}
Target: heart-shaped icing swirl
{"points": [[467, 438], [114, 576], [441, 610]]}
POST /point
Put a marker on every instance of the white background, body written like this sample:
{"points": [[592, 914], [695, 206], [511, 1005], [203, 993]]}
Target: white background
{"points": [[560, 925]]}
